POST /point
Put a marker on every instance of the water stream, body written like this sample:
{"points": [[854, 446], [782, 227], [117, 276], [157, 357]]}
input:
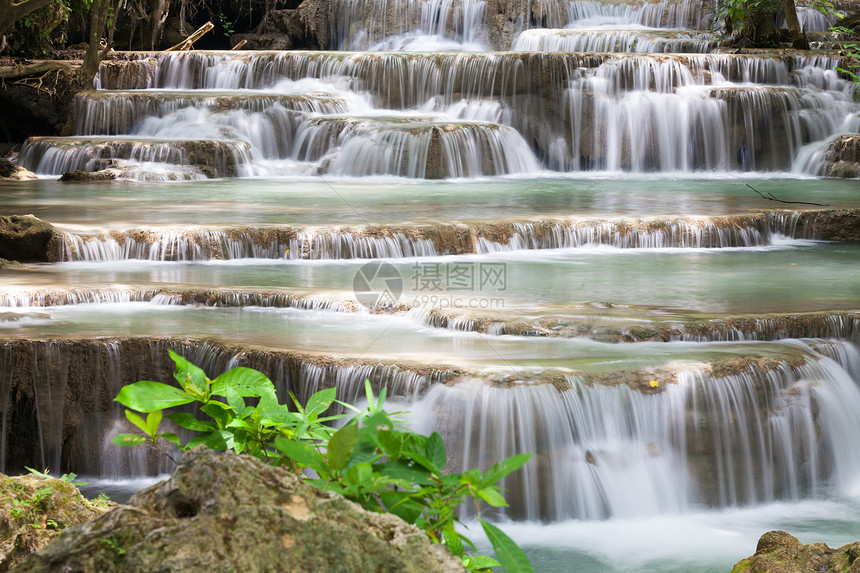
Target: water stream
{"points": [[566, 209]]}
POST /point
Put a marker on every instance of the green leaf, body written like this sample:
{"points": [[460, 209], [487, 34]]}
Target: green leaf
{"points": [[214, 440], [246, 382], [504, 467], [340, 446], [172, 438], [219, 411], [509, 554], [302, 453], [436, 451], [128, 440], [235, 400], [364, 451], [153, 420], [189, 422], [320, 401], [479, 562], [192, 379], [403, 471], [136, 420], [492, 496], [400, 504], [451, 539], [147, 396]]}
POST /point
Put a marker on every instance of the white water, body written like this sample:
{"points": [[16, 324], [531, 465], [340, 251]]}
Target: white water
{"points": [[612, 452]]}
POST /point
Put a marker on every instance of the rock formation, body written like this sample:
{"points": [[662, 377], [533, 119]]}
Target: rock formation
{"points": [[223, 512], [780, 552], [34, 510], [24, 238]]}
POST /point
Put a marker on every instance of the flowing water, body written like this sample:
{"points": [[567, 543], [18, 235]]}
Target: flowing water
{"points": [[569, 243]]}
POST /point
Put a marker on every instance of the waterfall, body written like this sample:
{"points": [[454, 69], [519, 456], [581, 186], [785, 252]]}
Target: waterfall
{"points": [[768, 432], [59, 395]]}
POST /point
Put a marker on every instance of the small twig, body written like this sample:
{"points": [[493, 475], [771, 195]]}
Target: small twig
{"points": [[770, 197]]}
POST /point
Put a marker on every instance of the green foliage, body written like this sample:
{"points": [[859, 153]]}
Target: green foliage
{"points": [[68, 478], [31, 508], [373, 459], [733, 12]]}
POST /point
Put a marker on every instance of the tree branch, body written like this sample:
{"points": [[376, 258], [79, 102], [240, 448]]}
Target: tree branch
{"points": [[16, 72], [770, 197]]}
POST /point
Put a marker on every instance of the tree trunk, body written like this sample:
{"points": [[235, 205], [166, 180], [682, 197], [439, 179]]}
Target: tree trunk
{"points": [[11, 12], [798, 36], [95, 52], [758, 29]]}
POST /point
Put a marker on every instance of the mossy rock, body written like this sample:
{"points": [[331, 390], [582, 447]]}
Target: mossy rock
{"points": [[222, 512], [25, 238], [780, 552], [11, 172], [34, 510]]}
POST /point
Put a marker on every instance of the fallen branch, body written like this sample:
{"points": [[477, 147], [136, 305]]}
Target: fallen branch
{"points": [[240, 45], [770, 197], [186, 44], [39, 68]]}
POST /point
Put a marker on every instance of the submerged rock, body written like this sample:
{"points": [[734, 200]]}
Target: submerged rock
{"points": [[780, 552], [34, 510], [25, 238], [222, 512]]}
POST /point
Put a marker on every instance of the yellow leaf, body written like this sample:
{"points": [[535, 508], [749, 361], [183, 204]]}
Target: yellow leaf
{"points": [[653, 383]]}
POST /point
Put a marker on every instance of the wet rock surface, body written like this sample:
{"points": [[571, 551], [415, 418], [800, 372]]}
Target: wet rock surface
{"points": [[24, 238], [842, 158], [780, 552], [11, 172], [221, 512]]}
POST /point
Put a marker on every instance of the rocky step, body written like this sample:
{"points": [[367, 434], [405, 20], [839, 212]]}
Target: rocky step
{"points": [[400, 80], [608, 40], [600, 321], [58, 155], [431, 239], [118, 112]]}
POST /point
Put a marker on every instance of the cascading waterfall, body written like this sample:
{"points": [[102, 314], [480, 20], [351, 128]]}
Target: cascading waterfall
{"points": [[297, 243], [450, 115], [69, 386], [667, 348], [612, 451]]}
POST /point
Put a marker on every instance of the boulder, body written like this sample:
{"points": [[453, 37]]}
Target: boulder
{"points": [[34, 510], [89, 176], [780, 552], [222, 512], [11, 172], [25, 238]]}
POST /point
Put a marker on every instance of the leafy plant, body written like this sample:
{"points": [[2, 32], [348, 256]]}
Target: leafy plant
{"points": [[68, 478], [373, 459]]}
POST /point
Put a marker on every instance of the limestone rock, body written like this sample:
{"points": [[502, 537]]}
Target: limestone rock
{"points": [[221, 512], [842, 158], [24, 238], [34, 510], [89, 176], [780, 552], [11, 172]]}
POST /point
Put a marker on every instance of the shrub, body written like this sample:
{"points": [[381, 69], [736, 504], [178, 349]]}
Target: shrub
{"points": [[373, 459]]}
